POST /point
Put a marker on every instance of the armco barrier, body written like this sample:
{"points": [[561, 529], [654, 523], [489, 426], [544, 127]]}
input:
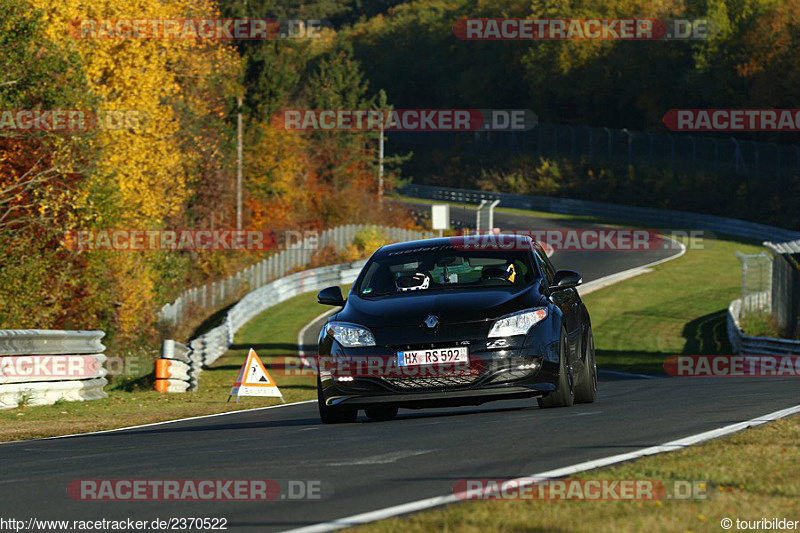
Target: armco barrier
{"points": [[44, 389], [50, 341], [175, 374], [178, 369], [217, 295], [202, 351], [566, 206], [743, 344]]}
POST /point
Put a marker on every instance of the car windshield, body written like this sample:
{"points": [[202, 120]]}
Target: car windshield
{"points": [[414, 270]]}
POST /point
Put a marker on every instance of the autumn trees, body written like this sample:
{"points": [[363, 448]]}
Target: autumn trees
{"points": [[173, 170]]}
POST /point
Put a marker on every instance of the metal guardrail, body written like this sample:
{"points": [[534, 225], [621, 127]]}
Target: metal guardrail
{"points": [[179, 368], [49, 342], [41, 388], [204, 350], [216, 295], [207, 348], [744, 344], [567, 206]]}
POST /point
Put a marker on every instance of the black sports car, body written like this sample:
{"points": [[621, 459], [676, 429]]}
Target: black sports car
{"points": [[445, 322]]}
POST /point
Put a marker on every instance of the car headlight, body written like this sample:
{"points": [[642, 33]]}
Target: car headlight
{"points": [[350, 335], [518, 323]]}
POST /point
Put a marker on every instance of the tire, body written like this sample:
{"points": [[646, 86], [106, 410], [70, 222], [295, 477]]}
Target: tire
{"points": [[586, 388], [381, 413], [564, 395], [333, 415]]}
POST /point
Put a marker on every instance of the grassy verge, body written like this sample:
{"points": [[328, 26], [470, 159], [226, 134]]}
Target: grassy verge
{"points": [[637, 324], [679, 308], [750, 475], [273, 332], [514, 211], [761, 324]]}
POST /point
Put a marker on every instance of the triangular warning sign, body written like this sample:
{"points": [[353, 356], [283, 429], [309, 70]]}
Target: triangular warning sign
{"points": [[254, 380]]}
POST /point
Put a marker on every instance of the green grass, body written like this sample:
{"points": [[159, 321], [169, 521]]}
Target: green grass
{"points": [[749, 475], [679, 308], [515, 211], [761, 324], [272, 333]]}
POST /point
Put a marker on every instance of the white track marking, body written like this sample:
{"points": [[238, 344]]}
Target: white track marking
{"points": [[302, 332], [160, 423], [420, 505], [611, 279], [382, 459], [631, 374]]}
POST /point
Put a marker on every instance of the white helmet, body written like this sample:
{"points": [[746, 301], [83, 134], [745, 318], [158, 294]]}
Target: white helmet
{"points": [[411, 282]]}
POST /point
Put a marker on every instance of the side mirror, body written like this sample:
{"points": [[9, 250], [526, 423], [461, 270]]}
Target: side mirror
{"points": [[330, 296], [565, 279]]}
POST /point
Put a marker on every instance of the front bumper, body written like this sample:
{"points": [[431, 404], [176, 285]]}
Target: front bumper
{"points": [[514, 367], [449, 398]]}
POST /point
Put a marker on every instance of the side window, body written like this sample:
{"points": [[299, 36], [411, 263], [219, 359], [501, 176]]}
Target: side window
{"points": [[544, 264], [549, 265]]}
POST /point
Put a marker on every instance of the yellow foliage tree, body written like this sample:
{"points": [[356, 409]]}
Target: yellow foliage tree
{"points": [[139, 74], [279, 180], [143, 174]]}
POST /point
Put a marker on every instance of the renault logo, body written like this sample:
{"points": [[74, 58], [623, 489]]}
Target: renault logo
{"points": [[432, 321]]}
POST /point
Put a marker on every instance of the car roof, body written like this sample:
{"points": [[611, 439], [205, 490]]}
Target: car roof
{"points": [[520, 242]]}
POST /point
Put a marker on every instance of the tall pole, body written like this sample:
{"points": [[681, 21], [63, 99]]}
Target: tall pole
{"points": [[239, 165], [380, 167]]}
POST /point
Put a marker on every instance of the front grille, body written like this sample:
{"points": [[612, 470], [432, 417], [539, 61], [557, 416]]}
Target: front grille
{"points": [[431, 382]]}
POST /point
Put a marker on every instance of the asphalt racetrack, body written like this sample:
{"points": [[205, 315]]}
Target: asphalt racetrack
{"points": [[373, 465]]}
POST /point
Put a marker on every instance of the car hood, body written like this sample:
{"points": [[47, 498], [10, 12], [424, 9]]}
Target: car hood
{"points": [[450, 306]]}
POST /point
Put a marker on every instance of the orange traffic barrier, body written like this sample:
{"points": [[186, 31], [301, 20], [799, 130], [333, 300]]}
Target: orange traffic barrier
{"points": [[162, 368]]}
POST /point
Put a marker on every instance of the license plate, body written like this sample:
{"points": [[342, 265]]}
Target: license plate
{"points": [[433, 356]]}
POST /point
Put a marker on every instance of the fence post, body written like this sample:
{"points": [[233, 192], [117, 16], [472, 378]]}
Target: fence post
{"points": [[716, 154], [591, 143], [630, 143], [672, 152], [755, 169], [571, 142]]}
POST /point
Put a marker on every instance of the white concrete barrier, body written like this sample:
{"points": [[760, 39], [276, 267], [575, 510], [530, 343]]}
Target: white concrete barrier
{"points": [[41, 367]]}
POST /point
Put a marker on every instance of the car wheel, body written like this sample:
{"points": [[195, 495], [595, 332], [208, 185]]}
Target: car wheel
{"points": [[586, 389], [381, 413], [331, 414], [564, 396]]}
